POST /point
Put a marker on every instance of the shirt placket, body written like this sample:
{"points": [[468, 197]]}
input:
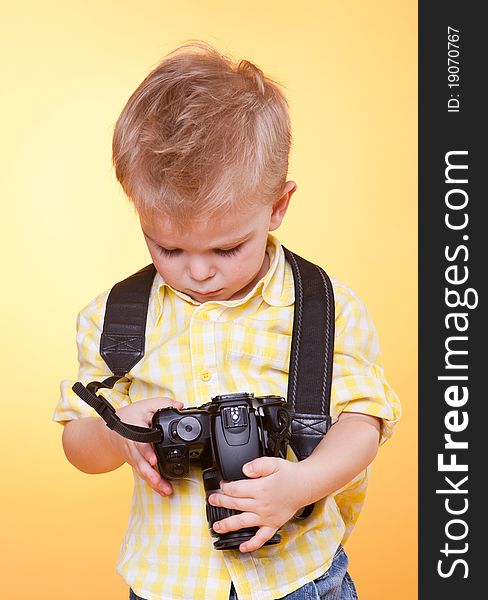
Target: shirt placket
{"points": [[203, 354]]}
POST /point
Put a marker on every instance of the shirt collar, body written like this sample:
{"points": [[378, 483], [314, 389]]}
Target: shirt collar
{"points": [[276, 287], [277, 284]]}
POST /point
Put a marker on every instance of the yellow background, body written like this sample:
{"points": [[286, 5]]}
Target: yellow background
{"points": [[67, 233]]}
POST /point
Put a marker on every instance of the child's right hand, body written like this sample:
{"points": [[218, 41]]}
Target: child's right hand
{"points": [[139, 455]]}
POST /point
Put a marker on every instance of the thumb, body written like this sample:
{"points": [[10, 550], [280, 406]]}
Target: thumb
{"points": [[260, 467]]}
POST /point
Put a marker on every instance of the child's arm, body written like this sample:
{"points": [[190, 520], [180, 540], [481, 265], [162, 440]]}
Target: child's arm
{"points": [[92, 447], [347, 449], [279, 488]]}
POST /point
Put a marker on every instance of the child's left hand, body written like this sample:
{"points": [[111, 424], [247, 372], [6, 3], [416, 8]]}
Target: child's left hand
{"points": [[276, 490]]}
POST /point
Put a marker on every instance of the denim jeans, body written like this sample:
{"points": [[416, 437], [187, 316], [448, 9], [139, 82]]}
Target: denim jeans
{"points": [[334, 584]]}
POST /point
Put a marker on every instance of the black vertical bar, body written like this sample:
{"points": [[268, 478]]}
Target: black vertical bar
{"points": [[453, 402]]}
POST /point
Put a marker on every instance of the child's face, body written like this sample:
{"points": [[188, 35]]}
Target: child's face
{"points": [[218, 259]]}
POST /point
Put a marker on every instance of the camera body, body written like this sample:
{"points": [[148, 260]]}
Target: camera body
{"points": [[222, 435]]}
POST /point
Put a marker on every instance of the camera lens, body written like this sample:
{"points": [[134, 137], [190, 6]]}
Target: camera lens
{"points": [[232, 539], [188, 428]]}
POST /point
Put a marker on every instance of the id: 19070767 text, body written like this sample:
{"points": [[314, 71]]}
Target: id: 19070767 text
{"points": [[453, 70]]}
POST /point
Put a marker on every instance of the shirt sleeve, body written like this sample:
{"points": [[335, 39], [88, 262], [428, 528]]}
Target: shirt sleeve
{"points": [[359, 383], [92, 367]]}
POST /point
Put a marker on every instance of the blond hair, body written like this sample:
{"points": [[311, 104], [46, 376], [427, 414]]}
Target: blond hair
{"points": [[200, 133]]}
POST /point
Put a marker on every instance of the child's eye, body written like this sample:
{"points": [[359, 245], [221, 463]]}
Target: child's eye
{"points": [[230, 251], [176, 251], [167, 252]]}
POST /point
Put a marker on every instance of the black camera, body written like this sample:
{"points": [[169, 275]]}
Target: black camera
{"points": [[222, 435]]}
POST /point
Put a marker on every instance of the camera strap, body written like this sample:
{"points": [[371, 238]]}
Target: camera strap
{"points": [[311, 356], [107, 412], [122, 346]]}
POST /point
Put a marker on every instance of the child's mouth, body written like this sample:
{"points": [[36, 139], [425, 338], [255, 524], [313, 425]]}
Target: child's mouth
{"points": [[205, 294]]}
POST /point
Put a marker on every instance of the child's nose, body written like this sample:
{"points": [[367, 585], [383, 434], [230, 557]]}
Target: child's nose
{"points": [[201, 269]]}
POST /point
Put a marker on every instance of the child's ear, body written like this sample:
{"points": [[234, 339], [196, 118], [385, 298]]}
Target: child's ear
{"points": [[281, 205]]}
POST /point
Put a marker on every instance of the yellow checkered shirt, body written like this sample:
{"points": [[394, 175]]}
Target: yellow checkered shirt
{"points": [[194, 352]]}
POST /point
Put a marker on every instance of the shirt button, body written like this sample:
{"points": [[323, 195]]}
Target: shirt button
{"points": [[206, 375]]}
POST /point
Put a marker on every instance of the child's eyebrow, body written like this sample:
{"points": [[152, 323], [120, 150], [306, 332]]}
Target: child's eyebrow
{"points": [[233, 243]]}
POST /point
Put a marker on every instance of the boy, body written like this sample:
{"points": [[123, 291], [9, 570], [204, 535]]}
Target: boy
{"points": [[201, 149]]}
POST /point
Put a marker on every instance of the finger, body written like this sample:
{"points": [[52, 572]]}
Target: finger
{"points": [[153, 404], [149, 406], [262, 535], [148, 453], [241, 488], [242, 504], [260, 467], [150, 475], [235, 522]]}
